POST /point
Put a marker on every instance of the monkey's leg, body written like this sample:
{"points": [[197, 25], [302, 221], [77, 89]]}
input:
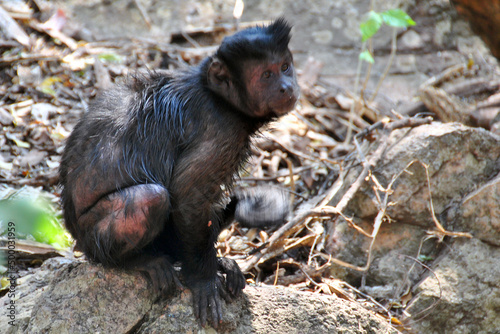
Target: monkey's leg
{"points": [[197, 226], [120, 225]]}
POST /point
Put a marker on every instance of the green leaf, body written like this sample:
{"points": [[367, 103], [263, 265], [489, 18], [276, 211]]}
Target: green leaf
{"points": [[30, 215], [397, 18], [366, 56], [425, 258], [371, 25], [110, 58]]}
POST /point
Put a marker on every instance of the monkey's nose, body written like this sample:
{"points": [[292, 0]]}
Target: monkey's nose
{"points": [[286, 89]]}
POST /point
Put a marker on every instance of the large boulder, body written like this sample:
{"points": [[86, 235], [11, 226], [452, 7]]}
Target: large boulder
{"points": [[463, 166], [66, 296]]}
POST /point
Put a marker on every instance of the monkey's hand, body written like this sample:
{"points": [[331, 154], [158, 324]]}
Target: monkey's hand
{"points": [[234, 280], [206, 296]]}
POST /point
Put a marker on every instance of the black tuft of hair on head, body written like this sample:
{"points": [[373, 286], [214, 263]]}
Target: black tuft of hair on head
{"points": [[255, 43], [280, 32]]}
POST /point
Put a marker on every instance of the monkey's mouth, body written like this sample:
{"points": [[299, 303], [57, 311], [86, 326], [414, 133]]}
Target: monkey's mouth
{"points": [[285, 106]]}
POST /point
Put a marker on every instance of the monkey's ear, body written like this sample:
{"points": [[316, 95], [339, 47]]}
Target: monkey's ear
{"points": [[219, 78]]}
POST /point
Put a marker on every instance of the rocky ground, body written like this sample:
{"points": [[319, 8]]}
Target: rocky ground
{"points": [[399, 227]]}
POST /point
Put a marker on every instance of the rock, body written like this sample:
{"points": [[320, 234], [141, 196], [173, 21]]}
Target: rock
{"points": [[158, 19], [273, 310], [411, 40], [395, 246], [479, 213], [443, 28], [462, 295], [75, 297], [405, 64], [66, 296], [452, 152], [464, 172], [322, 36]]}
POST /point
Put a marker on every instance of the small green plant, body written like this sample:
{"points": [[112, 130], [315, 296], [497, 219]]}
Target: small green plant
{"points": [[395, 18], [30, 214]]}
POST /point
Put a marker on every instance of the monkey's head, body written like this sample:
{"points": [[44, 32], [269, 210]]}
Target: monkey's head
{"points": [[253, 70]]}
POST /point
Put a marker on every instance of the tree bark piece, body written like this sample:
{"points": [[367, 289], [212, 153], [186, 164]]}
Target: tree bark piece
{"points": [[484, 18]]}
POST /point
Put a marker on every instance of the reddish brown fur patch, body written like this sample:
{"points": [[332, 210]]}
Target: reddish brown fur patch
{"points": [[128, 217]]}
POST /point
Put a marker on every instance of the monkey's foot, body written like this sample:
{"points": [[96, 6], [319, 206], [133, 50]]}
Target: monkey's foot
{"points": [[234, 280], [159, 271], [207, 300]]}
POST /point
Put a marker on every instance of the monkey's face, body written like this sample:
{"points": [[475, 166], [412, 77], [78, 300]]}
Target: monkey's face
{"points": [[271, 85]]}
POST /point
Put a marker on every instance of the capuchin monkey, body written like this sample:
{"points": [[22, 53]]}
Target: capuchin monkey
{"points": [[144, 171]]}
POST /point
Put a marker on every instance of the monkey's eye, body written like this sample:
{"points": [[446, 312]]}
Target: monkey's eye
{"points": [[284, 67], [266, 74]]}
